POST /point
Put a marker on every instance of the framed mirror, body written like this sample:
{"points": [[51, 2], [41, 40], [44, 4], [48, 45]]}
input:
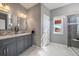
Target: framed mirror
{"points": [[3, 21], [21, 23]]}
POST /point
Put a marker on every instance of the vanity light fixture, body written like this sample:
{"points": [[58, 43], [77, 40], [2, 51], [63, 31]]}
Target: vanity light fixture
{"points": [[19, 14], [4, 7]]}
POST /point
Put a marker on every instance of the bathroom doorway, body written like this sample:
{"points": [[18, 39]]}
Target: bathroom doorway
{"points": [[45, 31]]}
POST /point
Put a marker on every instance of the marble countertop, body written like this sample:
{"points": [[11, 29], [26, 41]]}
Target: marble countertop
{"points": [[13, 35]]}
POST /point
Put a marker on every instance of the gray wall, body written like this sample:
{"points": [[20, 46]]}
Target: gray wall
{"points": [[66, 10], [34, 20], [16, 7]]}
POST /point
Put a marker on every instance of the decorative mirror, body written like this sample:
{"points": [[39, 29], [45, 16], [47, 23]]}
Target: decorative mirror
{"points": [[5, 21], [5, 16], [21, 23]]}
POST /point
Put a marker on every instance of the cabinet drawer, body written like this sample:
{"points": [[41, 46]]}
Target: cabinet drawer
{"points": [[28, 41], [1, 51], [8, 41], [20, 44], [11, 49]]}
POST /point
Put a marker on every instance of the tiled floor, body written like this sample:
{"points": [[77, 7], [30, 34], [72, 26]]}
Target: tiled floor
{"points": [[76, 50], [51, 50]]}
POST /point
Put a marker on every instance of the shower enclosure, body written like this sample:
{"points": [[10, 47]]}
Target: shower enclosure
{"points": [[73, 33]]}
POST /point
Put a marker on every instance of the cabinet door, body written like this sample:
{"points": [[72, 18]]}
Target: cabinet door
{"points": [[20, 44], [11, 49], [26, 42], [1, 51], [29, 41]]}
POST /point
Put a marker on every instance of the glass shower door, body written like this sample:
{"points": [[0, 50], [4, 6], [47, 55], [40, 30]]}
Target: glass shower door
{"points": [[73, 33]]}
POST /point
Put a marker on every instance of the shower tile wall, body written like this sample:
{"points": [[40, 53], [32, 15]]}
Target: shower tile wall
{"points": [[73, 37]]}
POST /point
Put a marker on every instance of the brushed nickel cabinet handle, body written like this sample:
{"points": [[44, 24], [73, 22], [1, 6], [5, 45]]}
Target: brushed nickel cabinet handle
{"points": [[7, 50], [4, 51]]}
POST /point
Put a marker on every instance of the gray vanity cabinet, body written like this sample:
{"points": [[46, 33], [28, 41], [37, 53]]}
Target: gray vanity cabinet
{"points": [[20, 44], [25, 42], [29, 41], [14, 46], [1, 51], [10, 47]]}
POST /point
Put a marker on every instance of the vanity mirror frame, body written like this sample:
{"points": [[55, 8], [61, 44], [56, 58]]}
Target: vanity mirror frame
{"points": [[6, 18], [19, 24]]}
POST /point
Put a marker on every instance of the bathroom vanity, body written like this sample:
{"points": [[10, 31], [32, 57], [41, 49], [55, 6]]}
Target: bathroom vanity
{"points": [[13, 45]]}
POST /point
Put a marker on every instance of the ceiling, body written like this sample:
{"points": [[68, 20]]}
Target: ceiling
{"points": [[28, 5], [50, 6]]}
